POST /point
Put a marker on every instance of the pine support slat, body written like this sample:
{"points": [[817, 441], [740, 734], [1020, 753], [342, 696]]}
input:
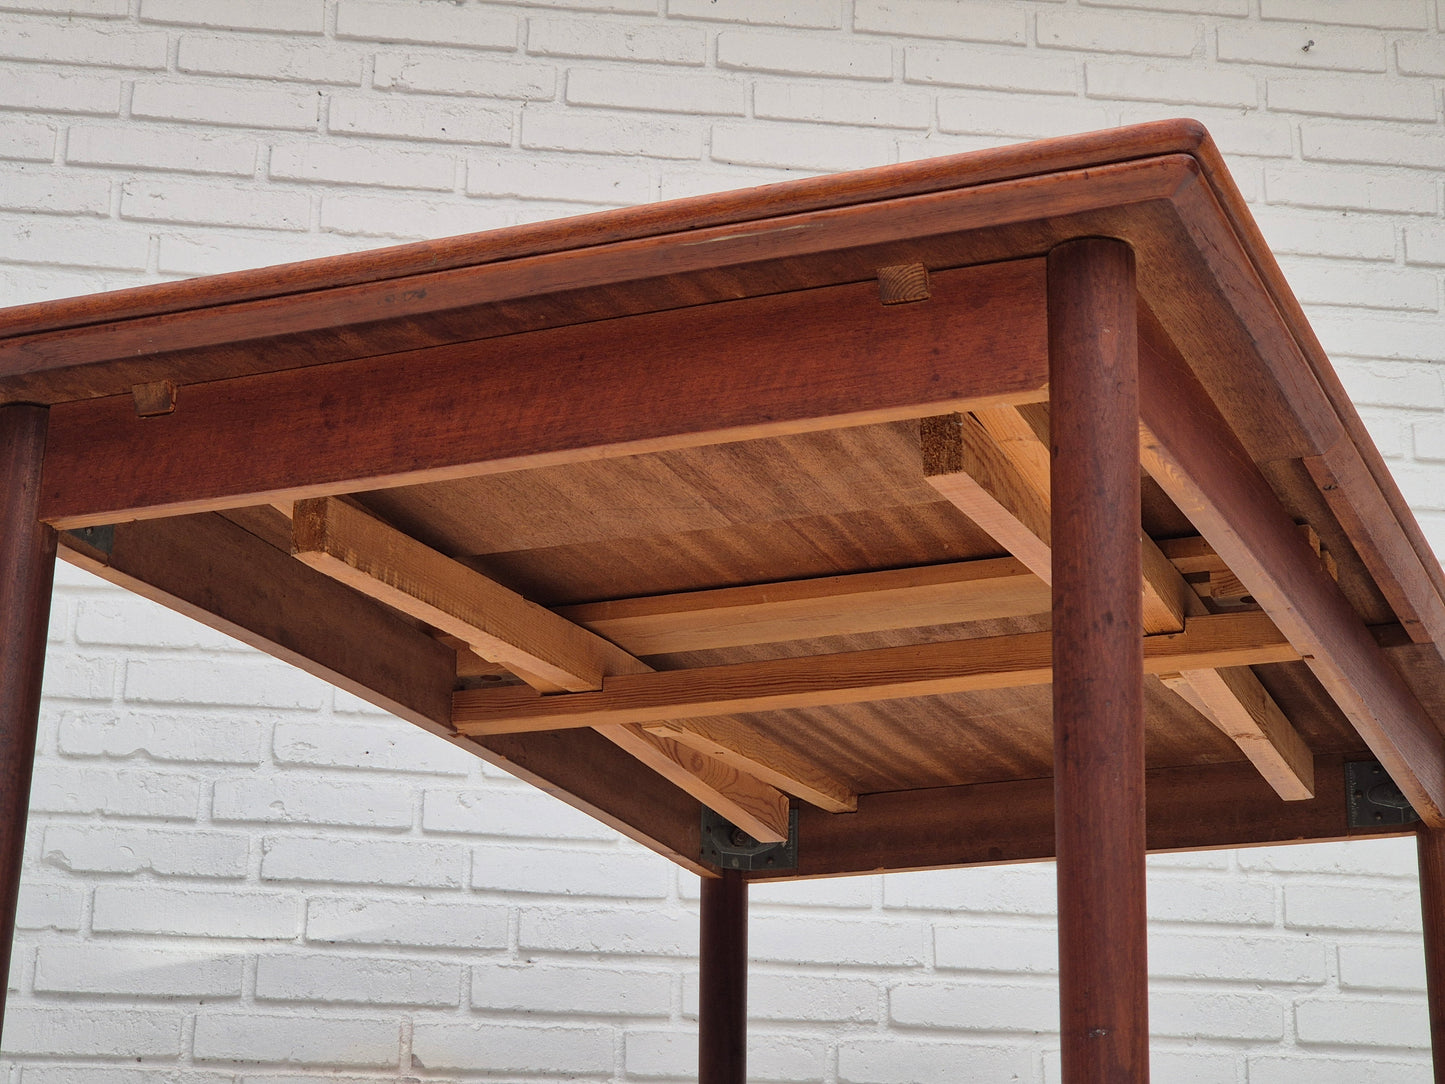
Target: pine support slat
{"points": [[27, 570], [549, 652]]}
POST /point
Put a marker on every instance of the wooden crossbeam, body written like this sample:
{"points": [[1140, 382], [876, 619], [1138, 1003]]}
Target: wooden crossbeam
{"points": [[982, 461], [999, 662], [1192, 453], [547, 651]]}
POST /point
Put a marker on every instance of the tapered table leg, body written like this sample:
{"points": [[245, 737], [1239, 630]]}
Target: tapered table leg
{"points": [[1098, 662], [1431, 844], [723, 1005], [27, 570]]}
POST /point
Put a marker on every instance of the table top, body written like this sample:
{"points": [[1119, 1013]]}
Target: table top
{"points": [[742, 501]]}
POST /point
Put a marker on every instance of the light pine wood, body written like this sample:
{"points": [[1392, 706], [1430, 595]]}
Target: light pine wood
{"points": [[999, 662], [1242, 708], [548, 652], [827, 606]]}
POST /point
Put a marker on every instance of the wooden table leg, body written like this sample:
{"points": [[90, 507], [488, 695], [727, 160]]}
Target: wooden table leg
{"points": [[1431, 844], [27, 570], [723, 1004], [1098, 663]]}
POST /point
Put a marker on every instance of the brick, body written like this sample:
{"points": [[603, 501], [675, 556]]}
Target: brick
{"points": [[68, 789], [419, 119], [251, 682], [819, 148], [867, 106], [1024, 116], [48, 906], [263, 59], [791, 997], [1375, 966], [1133, 80], [1296, 1068], [196, 739], [1369, 143], [291, 16], [657, 91], [1014, 890], [507, 1048], [1352, 96], [1388, 431], [519, 812], [991, 70], [1420, 56], [1234, 133], [664, 1053], [291, 800], [1351, 189], [1226, 900], [1200, 7], [1374, 857], [611, 873], [869, 943], [1199, 1014], [990, 1006], [132, 621], [1196, 1068], [620, 7], [393, 746], [83, 677], [804, 13], [78, 1074], [22, 285], [480, 78], [618, 931], [1238, 958], [430, 24], [357, 980], [57, 92], [1351, 907], [1339, 234], [26, 142], [233, 106], [1363, 1021], [1420, 487], [571, 991], [909, 1059], [1106, 32], [99, 9], [181, 912], [363, 861], [1030, 950], [536, 177], [137, 971], [55, 193], [427, 923], [108, 47], [407, 218], [1322, 282], [805, 55], [92, 848], [1395, 14], [956, 20], [58, 1030], [856, 892], [1289, 46], [1429, 440], [332, 164], [602, 133], [604, 39], [371, 1041]]}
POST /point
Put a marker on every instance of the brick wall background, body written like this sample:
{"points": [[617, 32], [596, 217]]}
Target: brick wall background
{"points": [[235, 874]]}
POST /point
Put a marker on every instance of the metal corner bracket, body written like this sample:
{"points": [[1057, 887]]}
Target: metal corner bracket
{"points": [[1372, 799], [727, 846]]}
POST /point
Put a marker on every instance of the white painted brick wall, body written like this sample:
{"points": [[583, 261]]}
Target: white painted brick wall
{"points": [[238, 876]]}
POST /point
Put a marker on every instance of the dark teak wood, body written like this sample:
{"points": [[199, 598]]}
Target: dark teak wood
{"points": [[1098, 663], [27, 570], [723, 1003], [1431, 844]]}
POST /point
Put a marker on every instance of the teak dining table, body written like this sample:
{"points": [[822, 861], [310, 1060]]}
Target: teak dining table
{"points": [[984, 509]]}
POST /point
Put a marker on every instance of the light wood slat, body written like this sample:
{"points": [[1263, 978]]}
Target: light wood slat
{"points": [[968, 468], [734, 742], [1000, 662], [827, 606], [1233, 700], [547, 651], [1193, 454]]}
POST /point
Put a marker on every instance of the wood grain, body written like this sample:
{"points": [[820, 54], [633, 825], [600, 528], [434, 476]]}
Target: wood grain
{"points": [[1430, 846], [722, 1012], [1001, 662]]}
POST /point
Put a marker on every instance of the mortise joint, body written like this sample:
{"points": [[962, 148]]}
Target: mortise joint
{"points": [[154, 400], [903, 283]]}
